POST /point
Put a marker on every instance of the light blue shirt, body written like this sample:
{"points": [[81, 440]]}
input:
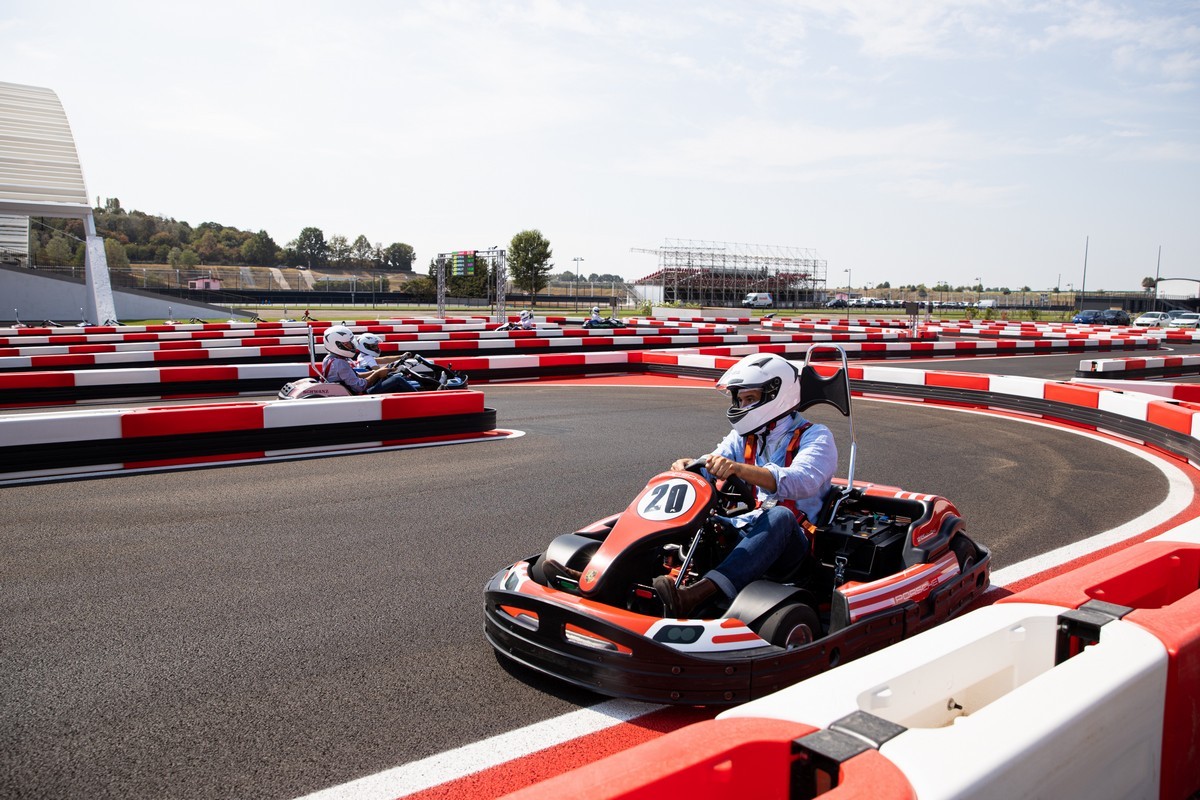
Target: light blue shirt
{"points": [[806, 481], [339, 370]]}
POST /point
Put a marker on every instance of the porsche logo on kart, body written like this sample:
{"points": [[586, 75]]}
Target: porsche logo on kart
{"points": [[667, 500], [590, 577]]}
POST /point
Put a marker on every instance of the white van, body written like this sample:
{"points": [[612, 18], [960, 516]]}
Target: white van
{"points": [[758, 300], [986, 304]]}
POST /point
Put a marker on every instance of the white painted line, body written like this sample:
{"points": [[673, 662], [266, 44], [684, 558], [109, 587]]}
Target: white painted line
{"points": [[417, 776]]}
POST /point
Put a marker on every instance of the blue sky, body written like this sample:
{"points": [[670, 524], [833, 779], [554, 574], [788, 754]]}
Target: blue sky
{"points": [[908, 140]]}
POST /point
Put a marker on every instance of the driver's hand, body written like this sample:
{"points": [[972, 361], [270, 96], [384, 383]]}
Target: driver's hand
{"points": [[678, 464], [720, 466]]}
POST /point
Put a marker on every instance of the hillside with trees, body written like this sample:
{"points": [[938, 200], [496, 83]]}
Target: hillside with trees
{"points": [[135, 237]]}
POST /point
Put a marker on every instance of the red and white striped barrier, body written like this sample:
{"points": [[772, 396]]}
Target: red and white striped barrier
{"points": [[89, 330], [1135, 367], [1187, 392], [58, 444], [448, 344]]}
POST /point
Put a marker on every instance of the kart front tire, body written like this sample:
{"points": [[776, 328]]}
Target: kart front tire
{"points": [[793, 625]]}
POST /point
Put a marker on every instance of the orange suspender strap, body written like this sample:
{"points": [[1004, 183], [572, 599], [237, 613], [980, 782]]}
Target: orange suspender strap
{"points": [[751, 455]]}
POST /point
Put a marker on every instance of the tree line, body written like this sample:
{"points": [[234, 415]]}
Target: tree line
{"points": [[132, 237], [138, 237]]}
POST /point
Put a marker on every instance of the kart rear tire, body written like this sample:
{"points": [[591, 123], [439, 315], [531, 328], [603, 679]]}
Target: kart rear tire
{"points": [[966, 552], [794, 625]]}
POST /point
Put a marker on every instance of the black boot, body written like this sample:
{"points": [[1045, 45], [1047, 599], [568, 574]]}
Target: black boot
{"points": [[681, 601]]}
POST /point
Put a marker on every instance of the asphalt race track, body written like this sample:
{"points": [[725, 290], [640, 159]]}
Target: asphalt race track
{"points": [[273, 629]]}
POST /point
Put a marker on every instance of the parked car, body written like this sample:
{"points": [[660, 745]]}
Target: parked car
{"points": [[836, 302], [1189, 319], [1101, 316], [1152, 319]]}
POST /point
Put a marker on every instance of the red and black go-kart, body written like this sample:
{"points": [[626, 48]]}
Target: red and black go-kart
{"points": [[885, 564]]}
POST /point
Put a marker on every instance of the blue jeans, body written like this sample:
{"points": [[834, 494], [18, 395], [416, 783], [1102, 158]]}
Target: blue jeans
{"points": [[774, 538], [392, 383]]}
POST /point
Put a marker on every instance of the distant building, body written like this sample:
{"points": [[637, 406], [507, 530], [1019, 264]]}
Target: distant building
{"points": [[205, 283]]}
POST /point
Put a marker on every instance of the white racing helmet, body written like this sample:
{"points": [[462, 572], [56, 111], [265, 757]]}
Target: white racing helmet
{"points": [[526, 314], [339, 340], [779, 381], [369, 343], [595, 309]]}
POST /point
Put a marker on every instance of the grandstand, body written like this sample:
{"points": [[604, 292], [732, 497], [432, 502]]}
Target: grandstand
{"points": [[722, 273]]}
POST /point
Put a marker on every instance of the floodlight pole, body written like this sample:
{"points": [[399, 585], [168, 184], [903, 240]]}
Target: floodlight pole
{"points": [[1083, 287], [577, 259], [1157, 272], [848, 284]]}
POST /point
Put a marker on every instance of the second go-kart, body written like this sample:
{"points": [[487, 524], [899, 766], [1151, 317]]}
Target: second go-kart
{"points": [[886, 564], [419, 372], [605, 322]]}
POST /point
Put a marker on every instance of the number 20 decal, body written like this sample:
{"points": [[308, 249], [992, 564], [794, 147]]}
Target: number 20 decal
{"points": [[667, 500]]}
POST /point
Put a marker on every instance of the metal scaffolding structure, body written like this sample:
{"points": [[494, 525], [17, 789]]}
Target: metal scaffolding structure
{"points": [[722, 273]]}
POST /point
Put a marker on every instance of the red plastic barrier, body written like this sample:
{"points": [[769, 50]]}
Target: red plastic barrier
{"points": [[1160, 581], [721, 759], [430, 404], [191, 419]]}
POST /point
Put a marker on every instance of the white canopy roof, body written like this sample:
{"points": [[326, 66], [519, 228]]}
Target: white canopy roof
{"points": [[40, 175]]}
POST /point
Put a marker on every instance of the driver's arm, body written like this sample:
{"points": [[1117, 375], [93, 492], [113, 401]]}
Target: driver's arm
{"points": [[375, 376], [722, 467]]}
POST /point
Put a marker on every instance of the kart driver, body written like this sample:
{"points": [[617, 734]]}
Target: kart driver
{"points": [[369, 346], [596, 315], [527, 320], [789, 460], [338, 366]]}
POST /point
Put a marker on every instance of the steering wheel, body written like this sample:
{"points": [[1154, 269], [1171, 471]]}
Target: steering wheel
{"points": [[733, 493]]}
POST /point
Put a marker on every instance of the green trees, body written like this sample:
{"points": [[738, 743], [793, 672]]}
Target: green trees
{"points": [[398, 256], [311, 249], [58, 251], [529, 261], [261, 250]]}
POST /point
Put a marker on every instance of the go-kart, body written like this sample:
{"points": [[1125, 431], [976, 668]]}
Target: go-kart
{"points": [[606, 322], [420, 373], [885, 564]]}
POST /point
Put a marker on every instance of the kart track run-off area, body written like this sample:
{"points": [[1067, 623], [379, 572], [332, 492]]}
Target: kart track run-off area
{"points": [[208, 591]]}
